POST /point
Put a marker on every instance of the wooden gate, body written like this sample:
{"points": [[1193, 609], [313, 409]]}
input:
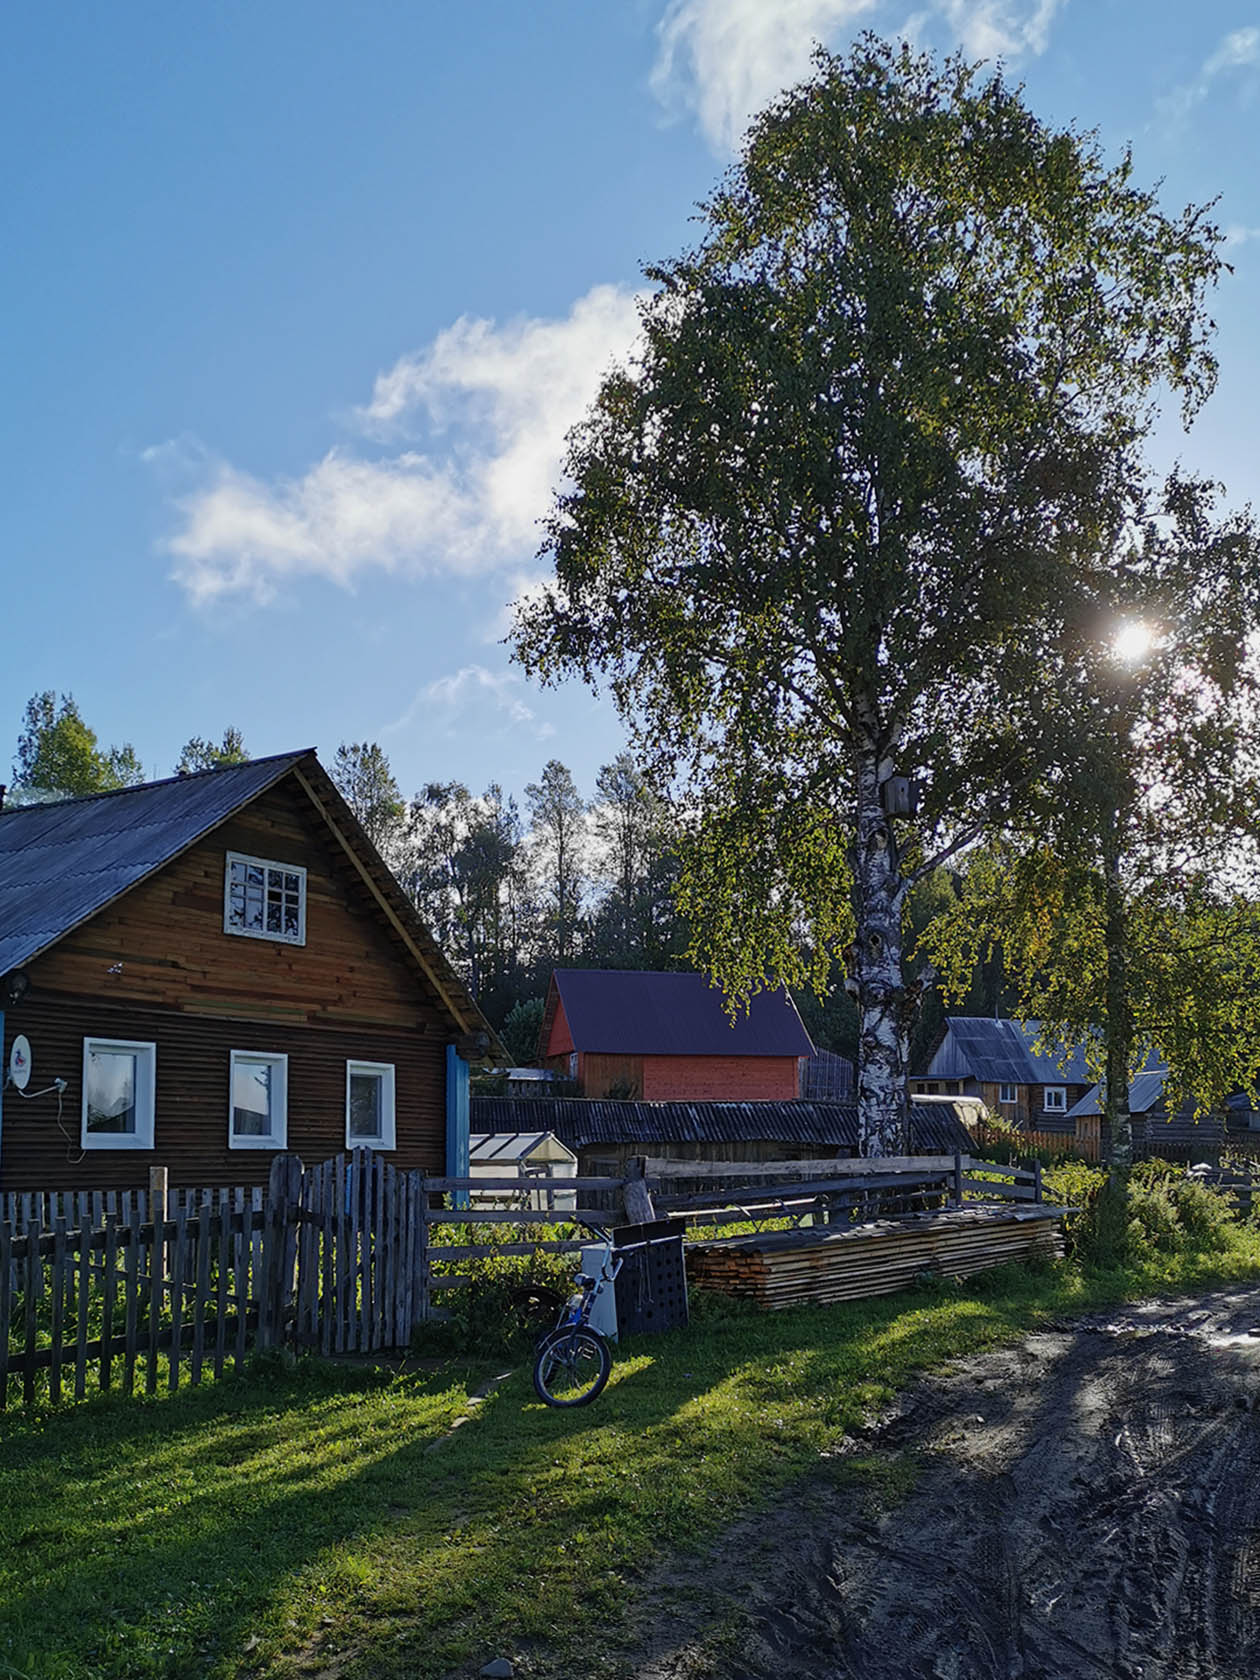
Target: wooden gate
{"points": [[359, 1266]]}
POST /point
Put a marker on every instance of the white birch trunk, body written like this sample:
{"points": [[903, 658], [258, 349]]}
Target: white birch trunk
{"points": [[884, 1006]]}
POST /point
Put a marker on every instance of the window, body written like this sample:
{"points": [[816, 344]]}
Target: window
{"points": [[1056, 1099], [258, 1100], [263, 900], [118, 1086], [369, 1105], [1006, 1094]]}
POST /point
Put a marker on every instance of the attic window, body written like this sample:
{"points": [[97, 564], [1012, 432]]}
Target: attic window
{"points": [[264, 900]]}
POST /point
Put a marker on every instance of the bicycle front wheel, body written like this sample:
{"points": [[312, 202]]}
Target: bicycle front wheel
{"points": [[572, 1367]]}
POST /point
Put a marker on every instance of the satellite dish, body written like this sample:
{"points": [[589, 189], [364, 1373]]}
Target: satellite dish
{"points": [[20, 1062]]}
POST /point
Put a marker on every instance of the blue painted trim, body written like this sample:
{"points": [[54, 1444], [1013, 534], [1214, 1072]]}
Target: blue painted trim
{"points": [[4, 1081], [457, 1124]]}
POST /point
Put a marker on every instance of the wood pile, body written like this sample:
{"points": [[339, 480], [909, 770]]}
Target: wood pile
{"points": [[786, 1268]]}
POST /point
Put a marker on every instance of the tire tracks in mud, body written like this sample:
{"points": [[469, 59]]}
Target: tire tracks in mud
{"points": [[1086, 1503]]}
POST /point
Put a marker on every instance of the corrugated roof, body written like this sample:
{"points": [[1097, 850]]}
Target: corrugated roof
{"points": [[581, 1122], [638, 1013], [1146, 1091], [62, 862], [1002, 1052]]}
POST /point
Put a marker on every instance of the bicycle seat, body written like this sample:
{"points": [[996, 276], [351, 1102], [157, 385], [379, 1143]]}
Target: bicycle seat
{"points": [[583, 1281]]}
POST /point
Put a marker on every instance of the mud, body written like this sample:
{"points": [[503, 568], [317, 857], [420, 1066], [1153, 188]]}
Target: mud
{"points": [[1086, 1503]]}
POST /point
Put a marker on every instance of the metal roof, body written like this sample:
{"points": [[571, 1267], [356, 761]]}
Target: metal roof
{"points": [[581, 1122], [1146, 1091], [62, 862], [640, 1013], [1002, 1052]]}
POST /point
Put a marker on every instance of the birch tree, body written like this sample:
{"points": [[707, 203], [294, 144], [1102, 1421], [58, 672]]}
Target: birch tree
{"points": [[824, 529]]}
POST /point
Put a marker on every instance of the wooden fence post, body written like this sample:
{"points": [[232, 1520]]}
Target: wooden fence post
{"points": [[158, 1177], [284, 1195], [635, 1194], [421, 1310], [958, 1177], [1037, 1195]]}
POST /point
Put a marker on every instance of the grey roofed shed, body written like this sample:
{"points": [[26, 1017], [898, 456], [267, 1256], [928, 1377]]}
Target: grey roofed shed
{"points": [[637, 1013], [583, 1123], [1001, 1052]]}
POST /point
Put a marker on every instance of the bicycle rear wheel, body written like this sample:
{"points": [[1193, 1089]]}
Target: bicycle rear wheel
{"points": [[572, 1367]]}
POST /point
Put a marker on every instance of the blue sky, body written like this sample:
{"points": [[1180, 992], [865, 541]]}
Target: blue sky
{"points": [[299, 300]]}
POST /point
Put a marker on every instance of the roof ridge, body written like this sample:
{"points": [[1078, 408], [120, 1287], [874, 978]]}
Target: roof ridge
{"points": [[161, 781]]}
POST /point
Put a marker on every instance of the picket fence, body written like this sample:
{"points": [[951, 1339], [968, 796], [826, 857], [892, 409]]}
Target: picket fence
{"points": [[135, 1289]]}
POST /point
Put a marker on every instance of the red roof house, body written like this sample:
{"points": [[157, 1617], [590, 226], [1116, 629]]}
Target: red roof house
{"points": [[669, 1037]]}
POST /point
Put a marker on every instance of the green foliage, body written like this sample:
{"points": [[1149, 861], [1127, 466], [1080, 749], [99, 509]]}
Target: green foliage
{"points": [[365, 781], [1136, 1218], [520, 1030], [199, 754], [839, 516], [58, 753], [486, 1317]]}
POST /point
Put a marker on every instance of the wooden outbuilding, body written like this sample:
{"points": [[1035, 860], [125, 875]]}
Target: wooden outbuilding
{"points": [[209, 969]]}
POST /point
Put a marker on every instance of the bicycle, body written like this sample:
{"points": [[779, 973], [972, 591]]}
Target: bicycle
{"points": [[573, 1361]]}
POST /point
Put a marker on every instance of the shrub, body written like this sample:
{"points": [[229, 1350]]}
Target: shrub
{"points": [[489, 1315]]}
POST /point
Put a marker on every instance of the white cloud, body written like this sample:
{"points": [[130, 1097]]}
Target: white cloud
{"points": [[725, 59], [1005, 29], [470, 689], [491, 404], [1236, 234], [1239, 50]]}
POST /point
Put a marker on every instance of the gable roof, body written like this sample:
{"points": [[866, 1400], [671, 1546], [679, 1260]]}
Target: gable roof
{"points": [[1002, 1052], [639, 1013], [63, 862]]}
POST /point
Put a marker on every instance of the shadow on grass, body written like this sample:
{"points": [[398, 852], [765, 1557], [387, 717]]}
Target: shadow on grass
{"points": [[331, 1514]]}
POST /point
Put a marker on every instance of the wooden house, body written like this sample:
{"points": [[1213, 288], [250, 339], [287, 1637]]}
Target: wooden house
{"points": [[1158, 1132], [213, 968], [655, 1037], [999, 1062]]}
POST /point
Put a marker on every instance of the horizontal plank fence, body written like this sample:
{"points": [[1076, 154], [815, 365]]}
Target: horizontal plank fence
{"points": [[351, 1256]]}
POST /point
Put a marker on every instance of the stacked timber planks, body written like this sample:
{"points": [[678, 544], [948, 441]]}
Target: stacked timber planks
{"points": [[786, 1268]]}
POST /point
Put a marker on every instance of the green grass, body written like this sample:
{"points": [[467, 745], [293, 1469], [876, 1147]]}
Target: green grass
{"points": [[328, 1519]]}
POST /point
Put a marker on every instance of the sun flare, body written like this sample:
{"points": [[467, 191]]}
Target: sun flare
{"points": [[1133, 641]]}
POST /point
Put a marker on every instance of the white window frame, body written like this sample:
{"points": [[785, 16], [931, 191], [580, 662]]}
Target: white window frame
{"points": [[145, 1052], [1006, 1093], [262, 933], [279, 1064], [1060, 1104], [389, 1130]]}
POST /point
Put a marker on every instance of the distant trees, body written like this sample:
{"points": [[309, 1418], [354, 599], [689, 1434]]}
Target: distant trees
{"points": [[199, 754], [558, 840], [365, 781], [58, 753]]}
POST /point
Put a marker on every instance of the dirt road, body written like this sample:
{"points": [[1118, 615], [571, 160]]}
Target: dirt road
{"points": [[1084, 1504]]}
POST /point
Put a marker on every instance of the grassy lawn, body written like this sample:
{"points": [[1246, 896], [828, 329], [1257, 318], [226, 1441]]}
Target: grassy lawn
{"points": [[329, 1521]]}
